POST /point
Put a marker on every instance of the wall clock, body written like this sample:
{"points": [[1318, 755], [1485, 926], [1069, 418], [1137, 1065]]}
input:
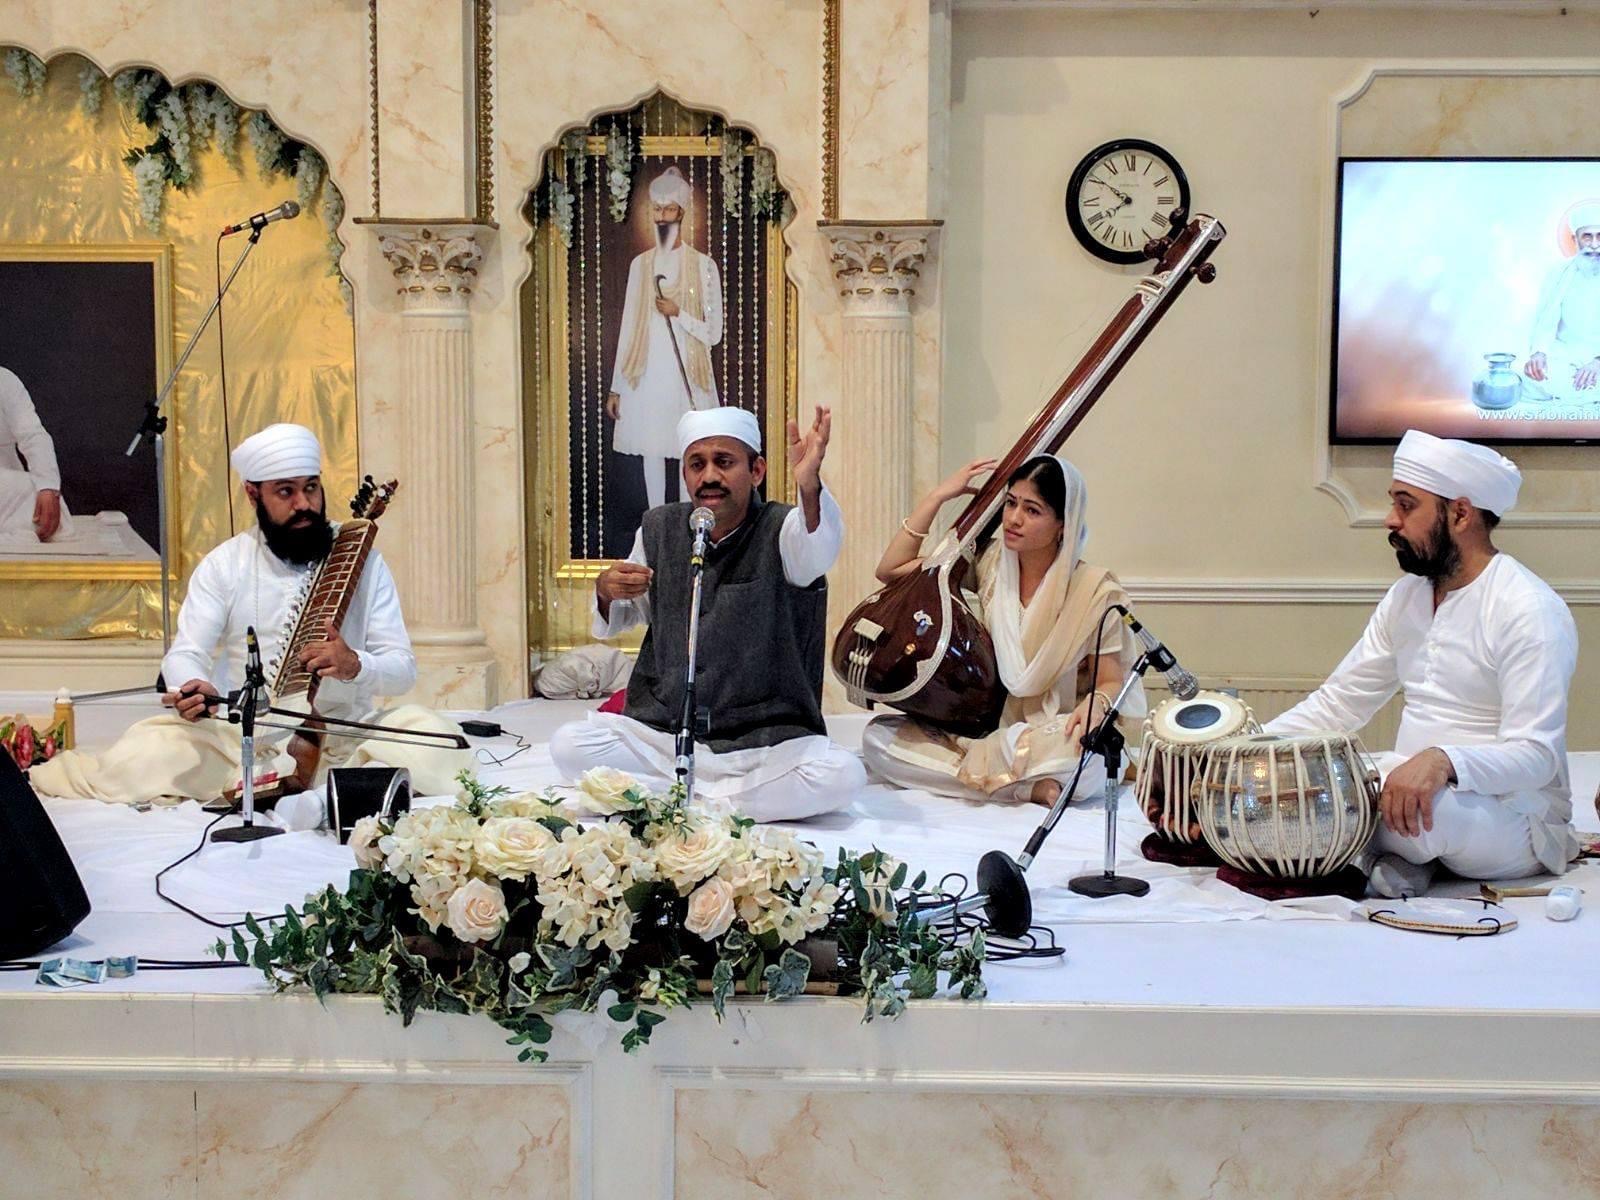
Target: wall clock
{"points": [[1124, 194]]}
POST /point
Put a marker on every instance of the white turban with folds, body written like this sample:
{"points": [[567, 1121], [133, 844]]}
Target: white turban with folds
{"points": [[726, 421], [278, 452], [1585, 215], [670, 187], [1453, 469]]}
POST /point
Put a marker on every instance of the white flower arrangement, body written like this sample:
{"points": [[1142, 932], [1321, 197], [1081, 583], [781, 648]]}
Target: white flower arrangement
{"points": [[619, 169], [309, 172], [214, 120], [763, 182], [26, 71], [561, 210], [732, 168], [507, 906], [91, 89], [134, 87]]}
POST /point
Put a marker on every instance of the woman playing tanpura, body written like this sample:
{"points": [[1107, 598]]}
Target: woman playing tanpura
{"points": [[1043, 608]]}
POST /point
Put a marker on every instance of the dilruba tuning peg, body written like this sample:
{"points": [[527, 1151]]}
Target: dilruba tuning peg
{"points": [[1205, 272], [1157, 247]]}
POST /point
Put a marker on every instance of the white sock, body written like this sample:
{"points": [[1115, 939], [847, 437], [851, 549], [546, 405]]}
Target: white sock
{"points": [[1394, 877]]}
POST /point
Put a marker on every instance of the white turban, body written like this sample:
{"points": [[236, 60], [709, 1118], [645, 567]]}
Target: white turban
{"points": [[278, 452], [698, 424], [1585, 215], [670, 187], [1451, 469]]}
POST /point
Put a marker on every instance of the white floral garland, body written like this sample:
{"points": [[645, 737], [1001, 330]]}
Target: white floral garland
{"points": [[619, 169], [309, 172], [92, 89], [150, 180], [266, 139], [561, 210], [26, 71], [574, 145], [732, 165], [332, 218], [174, 124], [763, 181]]}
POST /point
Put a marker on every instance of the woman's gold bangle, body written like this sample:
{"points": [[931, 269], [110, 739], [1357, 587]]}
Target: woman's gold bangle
{"points": [[906, 525]]}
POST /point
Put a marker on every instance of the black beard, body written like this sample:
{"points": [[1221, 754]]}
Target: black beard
{"points": [[1439, 561], [300, 545], [664, 232]]}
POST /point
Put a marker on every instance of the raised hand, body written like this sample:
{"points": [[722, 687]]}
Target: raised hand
{"points": [[331, 656], [806, 453], [962, 482]]}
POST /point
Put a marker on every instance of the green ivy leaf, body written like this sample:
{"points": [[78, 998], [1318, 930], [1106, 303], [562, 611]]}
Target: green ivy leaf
{"points": [[638, 895], [721, 986], [787, 977]]}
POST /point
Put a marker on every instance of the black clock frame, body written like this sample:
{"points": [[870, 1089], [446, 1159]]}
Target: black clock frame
{"points": [[1080, 175]]}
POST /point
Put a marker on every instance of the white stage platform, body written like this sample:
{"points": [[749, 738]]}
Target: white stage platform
{"points": [[1194, 1039]]}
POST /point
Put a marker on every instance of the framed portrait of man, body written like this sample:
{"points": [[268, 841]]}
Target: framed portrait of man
{"points": [[658, 287], [86, 342]]}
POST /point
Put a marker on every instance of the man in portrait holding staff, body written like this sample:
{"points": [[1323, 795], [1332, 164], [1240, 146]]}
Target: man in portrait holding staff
{"points": [[671, 318]]}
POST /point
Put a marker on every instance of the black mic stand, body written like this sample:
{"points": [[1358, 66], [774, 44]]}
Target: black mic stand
{"points": [[1108, 742], [154, 427], [255, 680], [692, 721]]}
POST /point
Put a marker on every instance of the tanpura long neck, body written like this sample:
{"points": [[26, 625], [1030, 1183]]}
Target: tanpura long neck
{"points": [[1094, 372]]}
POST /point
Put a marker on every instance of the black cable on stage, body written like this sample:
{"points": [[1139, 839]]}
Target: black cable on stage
{"points": [[491, 760], [199, 846]]}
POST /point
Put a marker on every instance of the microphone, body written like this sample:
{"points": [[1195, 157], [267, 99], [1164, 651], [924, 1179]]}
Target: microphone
{"points": [[700, 522], [285, 211], [1002, 895], [1184, 685]]}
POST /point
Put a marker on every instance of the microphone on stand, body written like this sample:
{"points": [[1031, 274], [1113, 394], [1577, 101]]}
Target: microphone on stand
{"points": [[1183, 684], [1002, 895], [700, 522], [284, 212], [255, 682], [692, 722]]}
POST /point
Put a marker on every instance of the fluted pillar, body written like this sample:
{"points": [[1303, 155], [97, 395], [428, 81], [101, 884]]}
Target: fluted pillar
{"points": [[436, 270], [879, 266]]}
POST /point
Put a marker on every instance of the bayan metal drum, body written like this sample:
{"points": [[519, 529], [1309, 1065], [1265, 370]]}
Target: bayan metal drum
{"points": [[1287, 815], [1175, 737]]}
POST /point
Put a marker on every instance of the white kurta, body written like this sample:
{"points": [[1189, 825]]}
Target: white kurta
{"points": [[1566, 329], [790, 781], [647, 423], [23, 436], [241, 583], [1485, 680]]}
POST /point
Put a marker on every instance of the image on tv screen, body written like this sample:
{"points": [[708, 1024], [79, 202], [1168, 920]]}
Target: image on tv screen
{"points": [[1467, 300]]}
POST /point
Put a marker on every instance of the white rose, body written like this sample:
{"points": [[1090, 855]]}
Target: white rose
{"points": [[607, 789], [511, 847], [364, 843], [688, 858], [476, 912], [710, 909]]}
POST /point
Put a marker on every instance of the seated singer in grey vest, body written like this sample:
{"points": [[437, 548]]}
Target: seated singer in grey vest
{"points": [[764, 602]]}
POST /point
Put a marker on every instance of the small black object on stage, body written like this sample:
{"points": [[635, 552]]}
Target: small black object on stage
{"points": [[255, 683], [357, 792], [41, 897], [693, 721]]}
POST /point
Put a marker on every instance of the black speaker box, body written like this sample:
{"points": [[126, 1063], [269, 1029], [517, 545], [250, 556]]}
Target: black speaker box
{"points": [[41, 897], [356, 792]]}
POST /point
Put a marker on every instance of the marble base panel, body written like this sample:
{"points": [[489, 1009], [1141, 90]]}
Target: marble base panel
{"points": [[86, 1138]]}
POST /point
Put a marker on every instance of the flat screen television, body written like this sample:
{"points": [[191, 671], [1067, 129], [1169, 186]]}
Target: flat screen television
{"points": [[1464, 303]]}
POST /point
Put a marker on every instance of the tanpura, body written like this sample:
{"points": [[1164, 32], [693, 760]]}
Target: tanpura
{"points": [[915, 644]]}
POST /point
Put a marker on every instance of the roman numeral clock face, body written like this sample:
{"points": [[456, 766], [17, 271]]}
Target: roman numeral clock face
{"points": [[1124, 194]]}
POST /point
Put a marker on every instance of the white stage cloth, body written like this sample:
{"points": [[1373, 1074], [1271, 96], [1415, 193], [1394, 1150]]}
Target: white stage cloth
{"points": [[1191, 941]]}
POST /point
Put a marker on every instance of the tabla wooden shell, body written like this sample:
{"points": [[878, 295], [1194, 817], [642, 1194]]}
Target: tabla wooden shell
{"points": [[1175, 737], [1288, 807]]}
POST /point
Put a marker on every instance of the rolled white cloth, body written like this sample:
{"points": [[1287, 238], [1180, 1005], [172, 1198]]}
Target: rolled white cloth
{"points": [[584, 672]]}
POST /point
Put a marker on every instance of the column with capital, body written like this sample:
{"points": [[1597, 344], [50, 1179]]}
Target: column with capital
{"points": [[879, 267], [436, 269]]}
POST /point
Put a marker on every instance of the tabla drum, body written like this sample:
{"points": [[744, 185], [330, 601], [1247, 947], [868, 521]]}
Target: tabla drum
{"points": [[1287, 815], [1175, 737]]}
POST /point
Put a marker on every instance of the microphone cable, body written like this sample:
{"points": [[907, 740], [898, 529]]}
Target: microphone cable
{"points": [[222, 375]]}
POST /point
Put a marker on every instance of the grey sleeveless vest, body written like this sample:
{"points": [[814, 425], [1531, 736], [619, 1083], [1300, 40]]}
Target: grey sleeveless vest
{"points": [[761, 638]]}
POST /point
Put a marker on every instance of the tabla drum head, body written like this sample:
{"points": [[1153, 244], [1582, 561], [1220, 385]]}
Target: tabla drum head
{"points": [[1204, 717]]}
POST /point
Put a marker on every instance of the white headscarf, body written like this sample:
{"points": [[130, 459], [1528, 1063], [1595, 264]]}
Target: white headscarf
{"points": [[723, 421], [1013, 626], [1450, 469], [278, 452]]}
